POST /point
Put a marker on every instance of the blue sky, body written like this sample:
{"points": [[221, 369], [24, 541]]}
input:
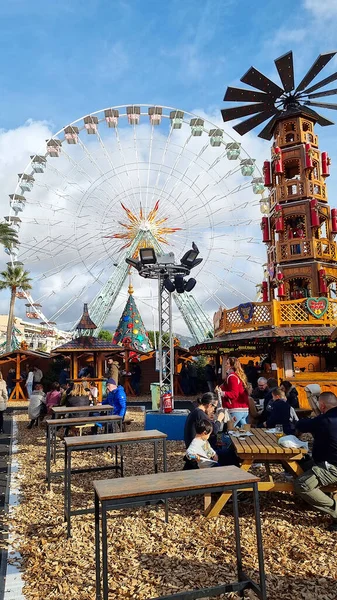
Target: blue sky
{"points": [[64, 59]]}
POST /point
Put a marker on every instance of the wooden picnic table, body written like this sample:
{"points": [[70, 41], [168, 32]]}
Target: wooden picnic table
{"points": [[54, 424], [262, 447], [105, 440], [142, 490], [58, 411]]}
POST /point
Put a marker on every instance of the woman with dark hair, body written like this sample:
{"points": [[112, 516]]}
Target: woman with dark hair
{"points": [[204, 411], [291, 393]]}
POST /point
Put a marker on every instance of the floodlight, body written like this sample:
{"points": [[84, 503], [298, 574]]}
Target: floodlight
{"points": [[190, 284], [179, 284], [169, 285], [147, 256], [133, 263], [190, 259]]}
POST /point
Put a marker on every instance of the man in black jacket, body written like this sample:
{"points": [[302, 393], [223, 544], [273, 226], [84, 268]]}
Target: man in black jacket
{"points": [[322, 470]]}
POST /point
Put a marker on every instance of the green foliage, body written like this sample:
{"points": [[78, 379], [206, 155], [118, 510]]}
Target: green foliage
{"points": [[15, 277], [155, 335], [8, 236], [104, 334]]}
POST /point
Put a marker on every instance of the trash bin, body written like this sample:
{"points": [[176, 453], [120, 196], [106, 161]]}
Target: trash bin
{"points": [[155, 395]]}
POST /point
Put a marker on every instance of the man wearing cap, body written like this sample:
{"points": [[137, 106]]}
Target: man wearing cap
{"points": [[116, 398]]}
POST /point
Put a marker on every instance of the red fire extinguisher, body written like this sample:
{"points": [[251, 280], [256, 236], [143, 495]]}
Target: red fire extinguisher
{"points": [[279, 220], [265, 229], [323, 287], [264, 288], [167, 402], [308, 157], [314, 216], [267, 173], [278, 162], [334, 220], [325, 164], [280, 285]]}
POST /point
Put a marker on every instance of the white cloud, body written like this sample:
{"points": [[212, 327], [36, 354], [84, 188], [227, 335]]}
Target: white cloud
{"points": [[324, 10]]}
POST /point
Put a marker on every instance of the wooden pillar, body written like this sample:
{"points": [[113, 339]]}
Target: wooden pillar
{"points": [[75, 365], [99, 373], [279, 361]]}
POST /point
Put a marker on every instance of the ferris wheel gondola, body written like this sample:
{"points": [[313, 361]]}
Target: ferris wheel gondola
{"points": [[128, 176]]}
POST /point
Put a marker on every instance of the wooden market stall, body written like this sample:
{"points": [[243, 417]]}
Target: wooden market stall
{"points": [[18, 359]]}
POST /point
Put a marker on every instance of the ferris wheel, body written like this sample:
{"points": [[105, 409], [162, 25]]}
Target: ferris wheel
{"points": [[128, 177]]}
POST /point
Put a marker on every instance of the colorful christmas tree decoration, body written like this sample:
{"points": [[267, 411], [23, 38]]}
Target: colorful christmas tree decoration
{"points": [[130, 330]]}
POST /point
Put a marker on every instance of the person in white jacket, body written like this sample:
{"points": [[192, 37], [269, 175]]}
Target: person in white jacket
{"points": [[3, 401], [30, 382], [36, 401]]}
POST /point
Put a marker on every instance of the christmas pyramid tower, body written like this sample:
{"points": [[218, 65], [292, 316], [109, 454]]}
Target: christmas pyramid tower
{"points": [[130, 331]]}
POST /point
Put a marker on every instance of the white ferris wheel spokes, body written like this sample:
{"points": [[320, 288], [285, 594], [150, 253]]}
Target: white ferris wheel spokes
{"points": [[128, 176]]}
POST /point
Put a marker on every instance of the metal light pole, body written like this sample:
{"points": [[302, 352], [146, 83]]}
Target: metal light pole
{"points": [[166, 359]]}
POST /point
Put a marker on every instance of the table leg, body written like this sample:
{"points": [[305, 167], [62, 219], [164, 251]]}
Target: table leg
{"points": [[54, 440], [259, 542], [164, 455], [237, 538], [155, 456], [295, 468], [122, 460], [48, 450], [68, 492], [219, 504], [104, 553], [97, 550]]}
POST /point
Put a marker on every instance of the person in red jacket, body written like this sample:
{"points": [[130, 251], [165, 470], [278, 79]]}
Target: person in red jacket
{"points": [[234, 392]]}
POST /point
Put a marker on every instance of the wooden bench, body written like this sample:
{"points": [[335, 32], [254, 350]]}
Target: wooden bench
{"points": [[52, 425], [142, 490], [110, 440]]}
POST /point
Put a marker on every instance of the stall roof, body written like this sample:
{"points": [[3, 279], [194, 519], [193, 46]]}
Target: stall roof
{"points": [[8, 356], [91, 344], [265, 334]]}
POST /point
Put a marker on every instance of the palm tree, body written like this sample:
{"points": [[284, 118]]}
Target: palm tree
{"points": [[13, 278], [8, 236]]}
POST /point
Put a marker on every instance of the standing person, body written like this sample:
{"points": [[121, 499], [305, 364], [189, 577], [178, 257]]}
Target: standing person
{"points": [[30, 382], [291, 393], [322, 469], [116, 398], [36, 405], [37, 375], [210, 376], [185, 379], [10, 381], [3, 401], [251, 373], [234, 392], [64, 376], [136, 374], [53, 397], [193, 375], [112, 370]]}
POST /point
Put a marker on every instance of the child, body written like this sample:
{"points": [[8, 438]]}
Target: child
{"points": [[36, 405], [282, 413], [200, 448]]}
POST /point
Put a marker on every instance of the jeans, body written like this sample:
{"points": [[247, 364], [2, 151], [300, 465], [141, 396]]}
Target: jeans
{"points": [[29, 387], [210, 386], [239, 417], [308, 485]]}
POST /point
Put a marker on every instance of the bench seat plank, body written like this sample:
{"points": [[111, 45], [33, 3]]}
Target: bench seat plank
{"points": [[115, 438]]}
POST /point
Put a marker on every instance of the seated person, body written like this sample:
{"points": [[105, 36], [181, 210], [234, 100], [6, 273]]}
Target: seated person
{"points": [[253, 416], [260, 392], [268, 401], [116, 398], [78, 396], [322, 469], [200, 449], [53, 397], [291, 393], [36, 406], [204, 411], [281, 413]]}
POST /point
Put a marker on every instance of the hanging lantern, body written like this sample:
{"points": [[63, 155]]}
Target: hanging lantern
{"points": [[265, 229], [325, 164], [323, 286], [267, 173], [280, 285], [308, 156], [277, 158], [334, 220], [264, 289], [314, 216], [279, 220]]}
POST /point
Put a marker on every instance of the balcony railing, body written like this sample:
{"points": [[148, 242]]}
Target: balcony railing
{"points": [[278, 313], [298, 249], [325, 250]]}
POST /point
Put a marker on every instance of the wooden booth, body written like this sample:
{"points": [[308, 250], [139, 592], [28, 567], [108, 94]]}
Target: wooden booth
{"points": [[18, 360]]}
